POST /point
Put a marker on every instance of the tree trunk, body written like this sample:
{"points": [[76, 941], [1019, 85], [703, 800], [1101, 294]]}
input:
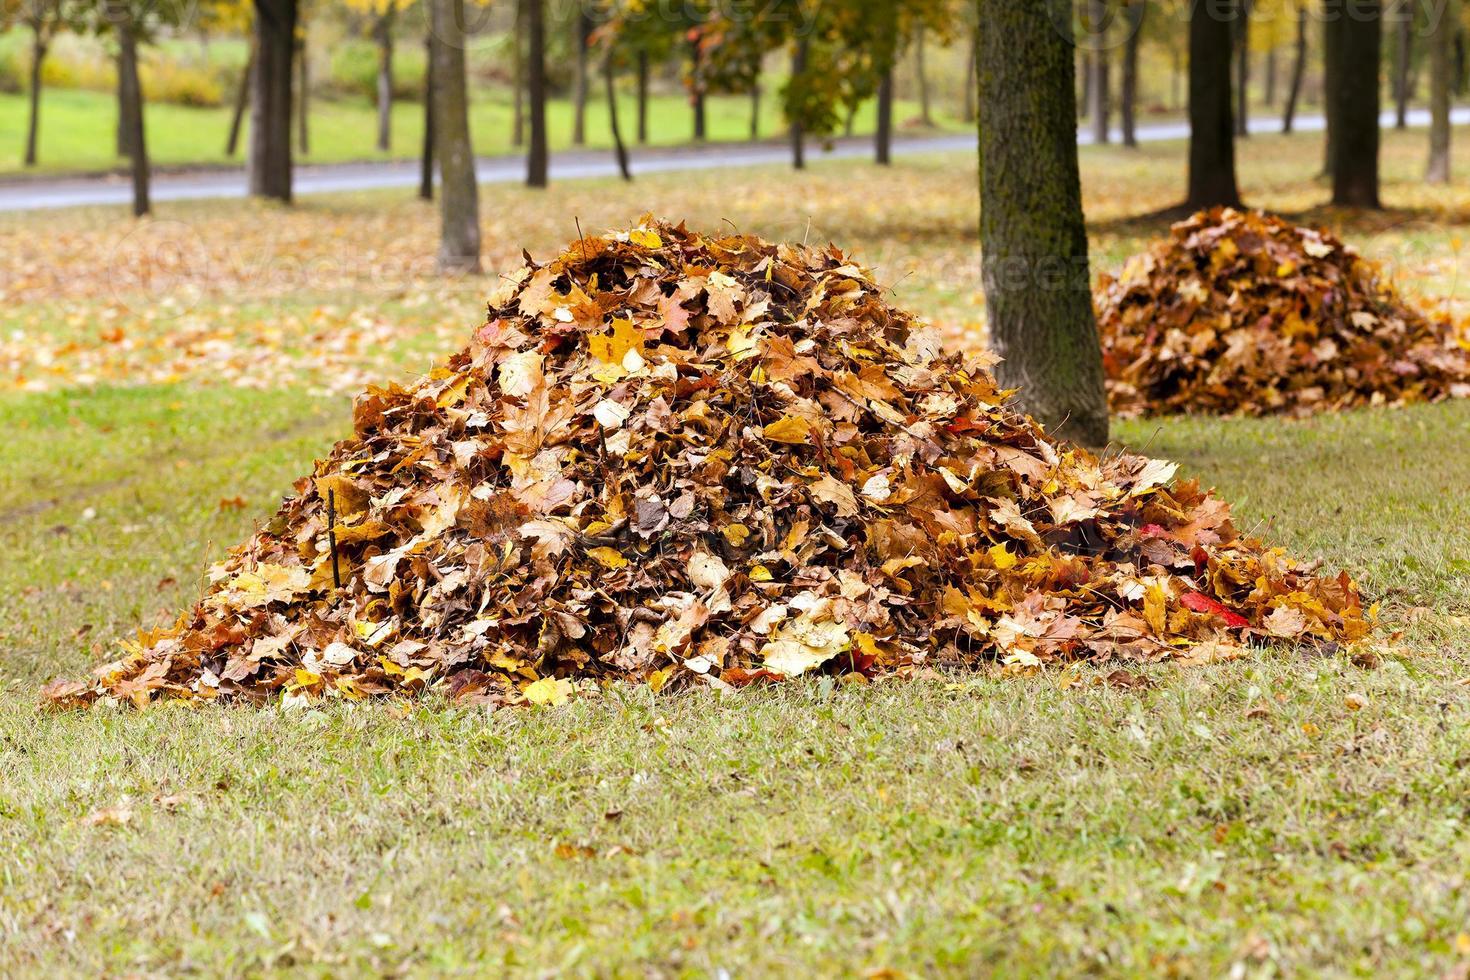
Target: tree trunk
{"points": [[921, 75], [620, 152], [1033, 240], [1100, 108], [1404, 51], [459, 198], [883, 136], [1211, 131], [33, 121], [131, 92], [1355, 140], [1243, 69], [426, 156], [270, 103], [1298, 70], [579, 79], [1270, 94], [1135, 13], [383, 34], [798, 131], [696, 92], [242, 99], [518, 80], [125, 104], [643, 97], [1084, 101], [755, 112], [1440, 43], [969, 96], [303, 110], [538, 156]]}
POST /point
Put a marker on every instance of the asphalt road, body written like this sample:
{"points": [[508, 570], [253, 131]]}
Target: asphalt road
{"points": [[62, 192]]}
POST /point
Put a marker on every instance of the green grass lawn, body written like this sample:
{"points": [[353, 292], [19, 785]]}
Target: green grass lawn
{"points": [[1287, 813], [77, 128]]}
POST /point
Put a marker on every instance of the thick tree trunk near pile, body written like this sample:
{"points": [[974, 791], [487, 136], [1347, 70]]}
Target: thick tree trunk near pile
{"points": [[303, 94], [1404, 50], [1211, 125], [518, 80], [125, 126], [459, 199], [1033, 240], [1440, 80], [643, 97], [1355, 139], [270, 99], [1243, 70]]}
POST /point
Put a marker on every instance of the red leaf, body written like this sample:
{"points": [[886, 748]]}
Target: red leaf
{"points": [[1202, 603]]}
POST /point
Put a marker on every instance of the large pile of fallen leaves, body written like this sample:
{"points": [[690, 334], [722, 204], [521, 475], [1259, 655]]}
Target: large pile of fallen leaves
{"points": [[1239, 311], [688, 460]]}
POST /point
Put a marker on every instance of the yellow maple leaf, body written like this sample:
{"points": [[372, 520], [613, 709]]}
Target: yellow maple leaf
{"points": [[613, 348], [1002, 558], [791, 429], [645, 238]]}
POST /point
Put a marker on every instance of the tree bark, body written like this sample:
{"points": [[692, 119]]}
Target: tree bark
{"points": [[130, 91], [537, 156], [579, 80], [1100, 95], [883, 135], [242, 99], [33, 120], [1440, 70], [798, 131], [1270, 93], [642, 97], [755, 112], [518, 80], [969, 96], [1355, 123], [125, 104], [426, 156], [696, 91], [303, 109], [1032, 236], [270, 103], [1404, 50], [1243, 70], [921, 74], [1135, 13], [620, 152], [1298, 71], [459, 198], [383, 34], [1211, 130]]}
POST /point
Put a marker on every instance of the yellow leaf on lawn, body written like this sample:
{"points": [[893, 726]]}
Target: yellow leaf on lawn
{"points": [[790, 429], [549, 690]]}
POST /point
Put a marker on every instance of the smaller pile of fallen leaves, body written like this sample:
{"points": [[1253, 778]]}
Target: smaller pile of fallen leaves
{"points": [[689, 460], [1242, 312]]}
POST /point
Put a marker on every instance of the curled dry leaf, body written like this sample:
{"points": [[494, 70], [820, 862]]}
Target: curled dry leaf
{"points": [[796, 478]]}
